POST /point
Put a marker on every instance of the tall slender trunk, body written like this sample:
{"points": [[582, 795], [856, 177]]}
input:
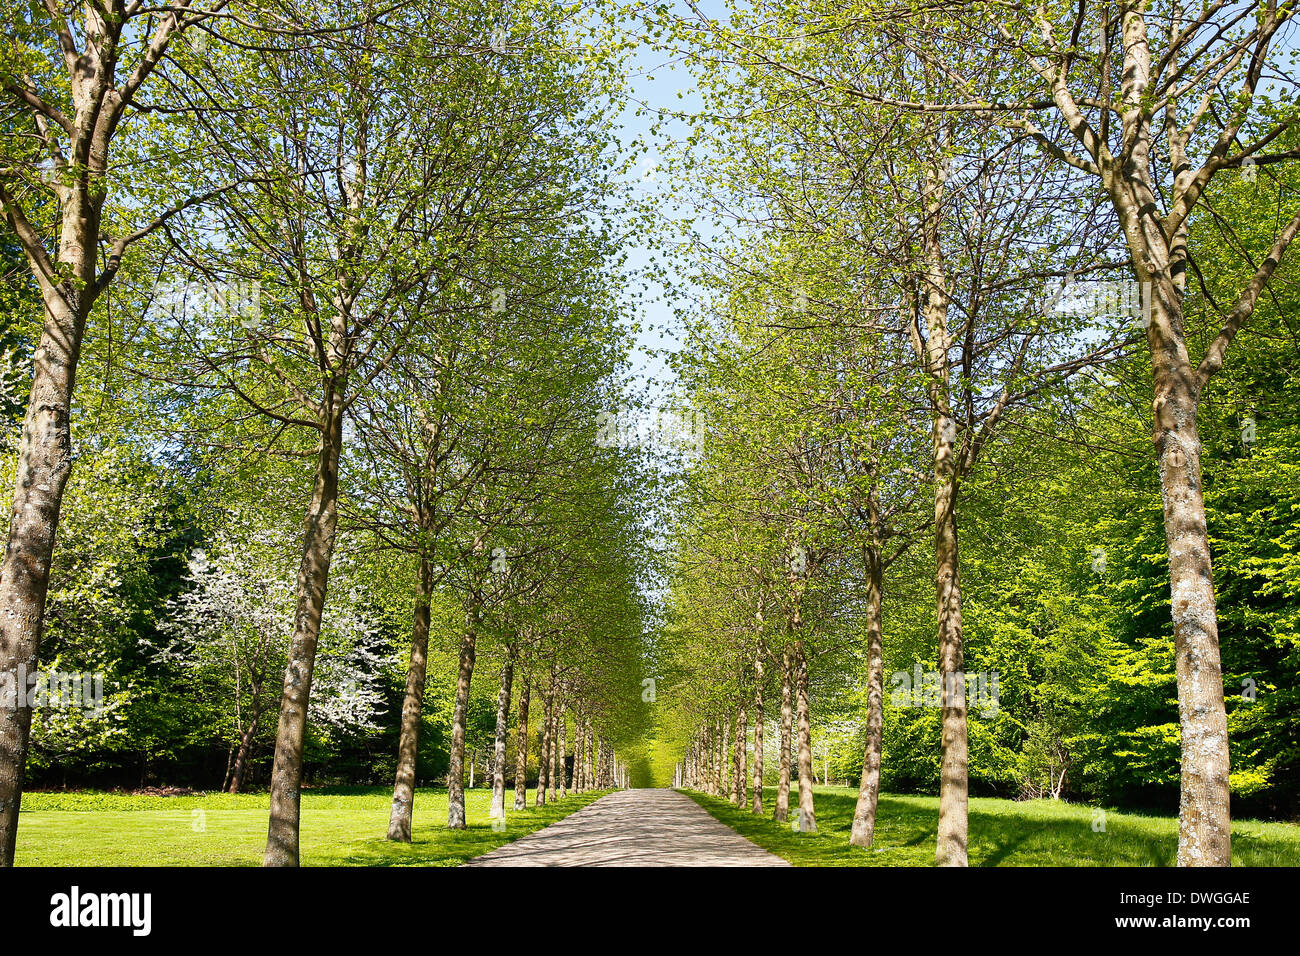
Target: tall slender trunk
{"points": [[561, 753], [399, 817], [313, 578], [544, 748], [807, 815], [586, 757], [756, 804], [225, 781], [702, 760], [241, 758], [953, 798], [726, 759], [459, 715], [553, 750], [521, 750], [579, 741], [498, 808], [44, 465], [1158, 251], [742, 767], [706, 758], [45, 445], [719, 757], [783, 772], [954, 763], [933, 300], [864, 814], [1204, 809]]}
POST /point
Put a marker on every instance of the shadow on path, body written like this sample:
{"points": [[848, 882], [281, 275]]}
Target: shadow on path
{"points": [[634, 828]]}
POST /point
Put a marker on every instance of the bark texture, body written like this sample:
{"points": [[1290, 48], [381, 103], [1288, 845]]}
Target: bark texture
{"points": [[756, 804], [807, 814], [313, 579], [456, 758], [498, 808], [521, 750], [864, 813], [782, 814], [399, 817]]}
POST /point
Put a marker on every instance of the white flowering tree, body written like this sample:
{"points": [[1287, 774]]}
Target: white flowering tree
{"points": [[230, 630]]}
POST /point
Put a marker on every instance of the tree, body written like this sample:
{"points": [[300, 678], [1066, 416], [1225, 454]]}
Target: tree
{"points": [[73, 84], [1160, 99]]}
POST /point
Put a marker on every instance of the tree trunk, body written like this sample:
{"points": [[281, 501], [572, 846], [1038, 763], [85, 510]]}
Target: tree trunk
{"points": [[586, 757], [521, 751], [756, 803], [498, 808], [456, 758], [1158, 253], [934, 355], [705, 775], [951, 843], [544, 747], [400, 816], [726, 759], [864, 814], [783, 776], [719, 757], [45, 445], [44, 464], [742, 765], [241, 758], [1204, 817], [707, 756], [225, 781], [561, 753], [579, 741], [553, 741], [807, 815], [313, 578]]}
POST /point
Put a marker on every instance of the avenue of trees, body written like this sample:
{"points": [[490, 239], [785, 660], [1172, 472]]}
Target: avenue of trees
{"points": [[321, 303], [316, 363], [998, 353]]}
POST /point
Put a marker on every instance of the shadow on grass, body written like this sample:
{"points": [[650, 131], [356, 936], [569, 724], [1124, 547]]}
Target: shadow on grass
{"points": [[340, 827], [1002, 833], [435, 845]]}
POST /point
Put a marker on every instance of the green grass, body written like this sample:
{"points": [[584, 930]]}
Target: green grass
{"points": [[1002, 833], [340, 827]]}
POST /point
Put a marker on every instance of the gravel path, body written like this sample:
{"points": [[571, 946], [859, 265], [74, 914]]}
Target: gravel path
{"points": [[634, 828]]}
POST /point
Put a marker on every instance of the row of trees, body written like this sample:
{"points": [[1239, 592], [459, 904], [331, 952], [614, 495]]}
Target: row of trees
{"points": [[960, 232], [337, 282]]}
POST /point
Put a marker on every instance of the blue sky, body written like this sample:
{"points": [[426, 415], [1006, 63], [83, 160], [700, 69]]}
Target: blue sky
{"points": [[654, 81]]}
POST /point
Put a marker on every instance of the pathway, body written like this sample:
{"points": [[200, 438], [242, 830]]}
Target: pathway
{"points": [[634, 828]]}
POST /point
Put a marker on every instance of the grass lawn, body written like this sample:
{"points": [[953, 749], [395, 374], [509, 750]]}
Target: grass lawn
{"points": [[1002, 833], [341, 826]]}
